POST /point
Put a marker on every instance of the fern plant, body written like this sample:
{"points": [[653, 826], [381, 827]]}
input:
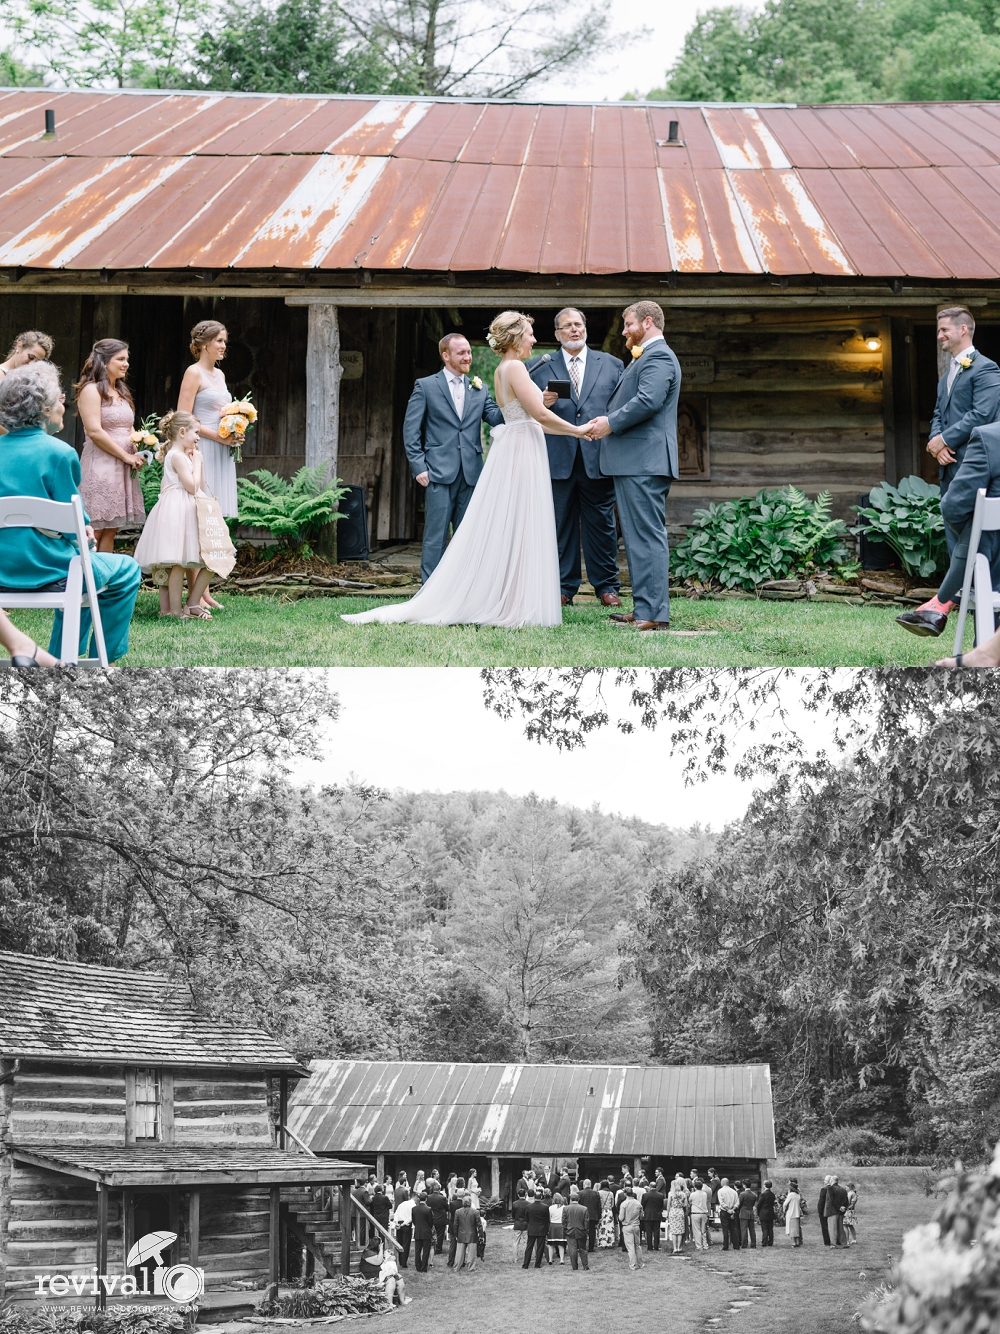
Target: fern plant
{"points": [[745, 542], [295, 511]]}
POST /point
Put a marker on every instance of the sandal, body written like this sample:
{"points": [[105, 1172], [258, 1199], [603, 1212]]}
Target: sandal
{"points": [[22, 662], [196, 614]]}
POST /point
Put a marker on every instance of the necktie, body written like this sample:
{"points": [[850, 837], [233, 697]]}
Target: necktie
{"points": [[458, 394], [574, 374], [952, 373]]}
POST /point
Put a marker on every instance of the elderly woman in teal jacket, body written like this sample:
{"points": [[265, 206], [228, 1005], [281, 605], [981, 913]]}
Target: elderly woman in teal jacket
{"points": [[34, 463]]}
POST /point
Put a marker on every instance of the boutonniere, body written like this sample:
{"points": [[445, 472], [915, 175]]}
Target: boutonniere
{"points": [[476, 382], [965, 362]]}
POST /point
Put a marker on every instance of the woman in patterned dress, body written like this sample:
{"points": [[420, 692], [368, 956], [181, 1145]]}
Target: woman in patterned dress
{"points": [[851, 1215], [606, 1227], [677, 1202], [108, 485]]}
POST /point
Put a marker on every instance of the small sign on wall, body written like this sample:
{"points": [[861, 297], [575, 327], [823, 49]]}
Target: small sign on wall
{"points": [[353, 364], [697, 370], [692, 436]]}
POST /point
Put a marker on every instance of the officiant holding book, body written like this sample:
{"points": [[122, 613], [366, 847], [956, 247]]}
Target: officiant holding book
{"points": [[583, 497]]}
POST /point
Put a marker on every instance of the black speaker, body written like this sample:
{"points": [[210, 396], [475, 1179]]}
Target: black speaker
{"points": [[352, 530], [874, 555]]}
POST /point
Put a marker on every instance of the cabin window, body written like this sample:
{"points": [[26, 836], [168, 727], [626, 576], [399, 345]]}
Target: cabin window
{"points": [[148, 1104]]}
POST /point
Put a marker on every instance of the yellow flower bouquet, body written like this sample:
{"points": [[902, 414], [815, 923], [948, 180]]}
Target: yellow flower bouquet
{"points": [[144, 433], [236, 419]]}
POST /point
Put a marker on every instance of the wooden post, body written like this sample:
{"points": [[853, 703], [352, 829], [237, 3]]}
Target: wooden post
{"points": [[494, 1176], [274, 1241], [194, 1226], [102, 1245], [128, 1227], [345, 1228], [323, 372], [380, 1167], [637, 1165], [282, 1112]]}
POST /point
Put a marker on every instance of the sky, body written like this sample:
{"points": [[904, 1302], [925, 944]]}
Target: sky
{"points": [[639, 67], [426, 729]]}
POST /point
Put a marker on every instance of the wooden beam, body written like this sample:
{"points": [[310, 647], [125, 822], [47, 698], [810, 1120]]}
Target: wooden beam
{"points": [[323, 372], [282, 1111], [380, 1167], [128, 1227], [194, 1226], [167, 1106], [129, 1106], [102, 1245], [274, 1238], [346, 1202], [494, 1176]]}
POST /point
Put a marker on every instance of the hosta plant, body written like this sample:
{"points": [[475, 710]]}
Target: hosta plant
{"points": [[296, 511], [908, 519], [745, 542]]}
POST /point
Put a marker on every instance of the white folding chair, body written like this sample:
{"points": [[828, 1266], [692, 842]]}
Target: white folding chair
{"points": [[978, 582], [80, 591]]}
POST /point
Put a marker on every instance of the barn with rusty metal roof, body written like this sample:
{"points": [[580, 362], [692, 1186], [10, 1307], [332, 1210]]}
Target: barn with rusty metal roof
{"points": [[500, 1118], [800, 253]]}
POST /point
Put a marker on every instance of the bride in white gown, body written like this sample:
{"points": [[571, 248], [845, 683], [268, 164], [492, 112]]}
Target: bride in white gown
{"points": [[502, 564]]}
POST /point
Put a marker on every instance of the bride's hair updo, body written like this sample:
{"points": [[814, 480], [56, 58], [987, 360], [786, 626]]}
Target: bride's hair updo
{"points": [[508, 329]]}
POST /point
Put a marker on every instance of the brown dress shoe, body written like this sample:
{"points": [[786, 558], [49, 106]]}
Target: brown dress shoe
{"points": [[610, 599], [567, 602], [652, 625], [622, 618]]}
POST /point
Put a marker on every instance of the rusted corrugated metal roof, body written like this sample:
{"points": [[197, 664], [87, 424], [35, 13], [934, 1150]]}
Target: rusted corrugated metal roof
{"points": [[695, 1111], [79, 1013], [210, 180]]}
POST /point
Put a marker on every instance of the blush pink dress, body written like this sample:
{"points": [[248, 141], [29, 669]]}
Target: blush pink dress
{"points": [[170, 536], [108, 487]]}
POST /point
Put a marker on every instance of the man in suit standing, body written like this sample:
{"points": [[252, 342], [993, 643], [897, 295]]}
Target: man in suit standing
{"points": [[821, 1210], [836, 1203], [765, 1212], [748, 1230], [442, 439], [438, 1205], [538, 1227], [575, 1225], [639, 450], [583, 497], [630, 1217], [729, 1215], [423, 1235], [652, 1216], [968, 396], [591, 1201], [466, 1235]]}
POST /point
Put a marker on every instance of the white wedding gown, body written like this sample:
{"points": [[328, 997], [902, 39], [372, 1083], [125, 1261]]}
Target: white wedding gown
{"points": [[502, 564]]}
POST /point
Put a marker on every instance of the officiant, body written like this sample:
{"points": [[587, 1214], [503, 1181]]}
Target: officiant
{"points": [[583, 497]]}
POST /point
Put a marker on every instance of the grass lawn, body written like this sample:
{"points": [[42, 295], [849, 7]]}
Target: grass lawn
{"points": [[266, 632], [811, 1290]]}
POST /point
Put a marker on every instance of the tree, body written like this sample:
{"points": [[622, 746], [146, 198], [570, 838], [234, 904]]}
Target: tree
{"points": [[840, 51], [478, 48], [96, 42], [295, 46]]}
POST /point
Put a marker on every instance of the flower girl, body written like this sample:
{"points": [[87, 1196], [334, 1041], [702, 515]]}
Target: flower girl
{"points": [[169, 544]]}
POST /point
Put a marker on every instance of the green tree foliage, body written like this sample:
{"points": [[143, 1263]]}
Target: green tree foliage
{"points": [[839, 51], [295, 46], [846, 928], [101, 42]]}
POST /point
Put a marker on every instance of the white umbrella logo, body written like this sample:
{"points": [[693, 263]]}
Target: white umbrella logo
{"points": [[149, 1248], [181, 1283]]}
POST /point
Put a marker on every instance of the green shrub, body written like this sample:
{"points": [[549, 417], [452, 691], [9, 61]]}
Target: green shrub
{"points": [[114, 1320], [342, 1296], [150, 481], [908, 519], [949, 1276], [845, 1142], [747, 541], [296, 511]]}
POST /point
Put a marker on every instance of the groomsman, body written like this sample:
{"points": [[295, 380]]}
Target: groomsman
{"points": [[583, 497], [968, 396], [443, 442]]}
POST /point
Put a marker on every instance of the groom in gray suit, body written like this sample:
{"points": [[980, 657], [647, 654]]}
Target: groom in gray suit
{"points": [[442, 439], [639, 450]]}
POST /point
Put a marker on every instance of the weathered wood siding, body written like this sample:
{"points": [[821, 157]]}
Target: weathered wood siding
{"points": [[50, 1227], [796, 398], [234, 1233], [214, 1108], [56, 1104]]}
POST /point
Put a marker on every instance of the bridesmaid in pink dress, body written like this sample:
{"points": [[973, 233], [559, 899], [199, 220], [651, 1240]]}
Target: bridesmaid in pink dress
{"points": [[108, 485]]}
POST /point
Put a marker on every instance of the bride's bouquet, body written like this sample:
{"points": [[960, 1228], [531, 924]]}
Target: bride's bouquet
{"points": [[235, 420]]}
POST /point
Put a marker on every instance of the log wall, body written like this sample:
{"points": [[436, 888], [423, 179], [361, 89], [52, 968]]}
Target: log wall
{"points": [[56, 1104], [211, 1108]]}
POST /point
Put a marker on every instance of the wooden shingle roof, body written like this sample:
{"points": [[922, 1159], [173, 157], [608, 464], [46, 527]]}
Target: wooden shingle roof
{"points": [[83, 1014], [176, 1165]]}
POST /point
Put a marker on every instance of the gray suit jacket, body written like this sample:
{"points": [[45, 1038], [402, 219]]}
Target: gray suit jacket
{"points": [[974, 401], [980, 468], [643, 417], [435, 440], [601, 377]]}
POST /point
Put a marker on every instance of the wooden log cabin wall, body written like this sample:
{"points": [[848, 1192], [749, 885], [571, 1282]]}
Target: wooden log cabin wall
{"points": [[773, 395], [185, 1135]]}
